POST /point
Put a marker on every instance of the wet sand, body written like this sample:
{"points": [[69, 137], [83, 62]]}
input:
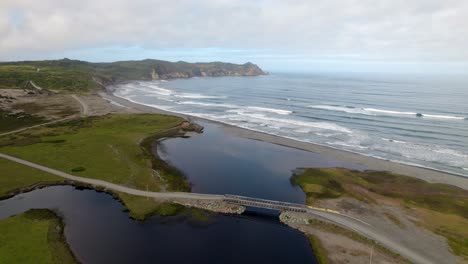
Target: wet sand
{"points": [[371, 163]]}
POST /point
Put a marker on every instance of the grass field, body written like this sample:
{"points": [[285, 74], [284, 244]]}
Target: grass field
{"points": [[106, 148], [114, 148], [35, 236], [14, 176], [12, 122], [442, 208]]}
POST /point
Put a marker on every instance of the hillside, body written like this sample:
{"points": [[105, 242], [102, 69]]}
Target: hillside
{"points": [[75, 75]]}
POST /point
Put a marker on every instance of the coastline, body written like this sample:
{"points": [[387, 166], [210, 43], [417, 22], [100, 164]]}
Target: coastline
{"points": [[371, 163]]}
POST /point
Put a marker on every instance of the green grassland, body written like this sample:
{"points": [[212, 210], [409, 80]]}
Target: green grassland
{"points": [[12, 121], [14, 176], [35, 236], [444, 206], [114, 148], [105, 147]]}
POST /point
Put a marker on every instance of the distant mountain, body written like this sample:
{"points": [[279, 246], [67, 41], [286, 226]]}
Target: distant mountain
{"points": [[75, 75]]}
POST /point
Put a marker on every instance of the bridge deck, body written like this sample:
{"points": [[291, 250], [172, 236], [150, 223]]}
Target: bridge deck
{"points": [[264, 203]]}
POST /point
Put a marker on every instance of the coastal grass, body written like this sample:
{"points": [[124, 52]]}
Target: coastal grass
{"points": [[66, 78], [141, 208], [35, 236], [442, 208], [320, 252], [335, 183], [14, 176], [332, 228], [11, 121], [105, 147]]}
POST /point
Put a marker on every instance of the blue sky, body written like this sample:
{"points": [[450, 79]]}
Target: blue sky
{"points": [[298, 35]]}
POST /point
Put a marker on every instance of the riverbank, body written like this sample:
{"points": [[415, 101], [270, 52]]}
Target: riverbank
{"points": [[370, 163], [35, 236]]}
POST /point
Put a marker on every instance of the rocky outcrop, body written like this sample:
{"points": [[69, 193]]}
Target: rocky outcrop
{"points": [[168, 70], [187, 126]]}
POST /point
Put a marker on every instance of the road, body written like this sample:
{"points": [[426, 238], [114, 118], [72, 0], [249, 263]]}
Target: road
{"points": [[84, 112], [334, 217], [39, 125], [113, 186], [84, 106]]}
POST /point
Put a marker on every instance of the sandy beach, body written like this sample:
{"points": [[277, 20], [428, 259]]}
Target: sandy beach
{"points": [[371, 163]]}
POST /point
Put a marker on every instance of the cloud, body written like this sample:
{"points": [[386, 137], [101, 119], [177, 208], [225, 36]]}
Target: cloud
{"points": [[366, 29]]}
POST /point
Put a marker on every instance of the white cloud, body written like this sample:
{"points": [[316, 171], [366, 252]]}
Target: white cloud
{"points": [[383, 29]]}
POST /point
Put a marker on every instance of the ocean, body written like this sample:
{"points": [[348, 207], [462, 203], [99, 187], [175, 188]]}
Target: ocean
{"points": [[416, 120]]}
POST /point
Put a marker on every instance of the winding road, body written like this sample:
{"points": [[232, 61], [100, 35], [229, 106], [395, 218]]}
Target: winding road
{"points": [[342, 220], [83, 105], [83, 113]]}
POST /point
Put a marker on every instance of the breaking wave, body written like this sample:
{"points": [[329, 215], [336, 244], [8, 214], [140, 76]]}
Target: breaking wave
{"points": [[381, 112]]}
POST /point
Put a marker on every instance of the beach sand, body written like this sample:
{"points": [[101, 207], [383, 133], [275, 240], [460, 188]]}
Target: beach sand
{"points": [[371, 163]]}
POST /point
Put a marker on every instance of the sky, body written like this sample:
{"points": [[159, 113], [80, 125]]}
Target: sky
{"points": [[294, 35]]}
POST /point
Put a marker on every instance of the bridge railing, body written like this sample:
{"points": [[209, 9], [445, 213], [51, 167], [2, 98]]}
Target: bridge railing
{"points": [[264, 203]]}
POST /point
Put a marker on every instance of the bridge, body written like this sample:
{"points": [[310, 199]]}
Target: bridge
{"points": [[334, 217], [263, 203]]}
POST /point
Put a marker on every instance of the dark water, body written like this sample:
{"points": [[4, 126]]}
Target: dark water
{"points": [[220, 163], [99, 232], [419, 120]]}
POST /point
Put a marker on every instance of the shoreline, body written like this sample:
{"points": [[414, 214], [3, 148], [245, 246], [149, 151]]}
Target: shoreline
{"points": [[371, 163]]}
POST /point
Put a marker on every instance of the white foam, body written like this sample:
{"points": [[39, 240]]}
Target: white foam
{"points": [[444, 117], [198, 96], [394, 141], [375, 111], [341, 109], [388, 111], [156, 89], [465, 169], [115, 103], [346, 145], [298, 123], [207, 104], [451, 152], [270, 110]]}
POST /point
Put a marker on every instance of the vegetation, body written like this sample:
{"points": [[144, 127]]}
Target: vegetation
{"points": [[319, 251], [11, 121], [141, 207], [442, 208], [14, 176], [105, 148], [350, 234], [34, 237], [81, 76]]}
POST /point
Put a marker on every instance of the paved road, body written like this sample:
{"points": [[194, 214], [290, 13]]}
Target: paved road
{"points": [[339, 219], [113, 186], [84, 106]]}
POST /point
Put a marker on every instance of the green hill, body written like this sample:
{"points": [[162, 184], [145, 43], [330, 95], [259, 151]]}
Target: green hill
{"points": [[82, 76]]}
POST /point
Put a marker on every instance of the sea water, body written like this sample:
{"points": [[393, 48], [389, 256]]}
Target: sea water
{"points": [[418, 120]]}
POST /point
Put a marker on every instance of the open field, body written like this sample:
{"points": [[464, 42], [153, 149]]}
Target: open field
{"points": [[14, 176], [35, 236], [106, 148], [405, 203], [114, 148], [12, 121]]}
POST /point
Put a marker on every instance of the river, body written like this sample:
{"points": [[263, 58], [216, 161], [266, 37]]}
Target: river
{"points": [[98, 230]]}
